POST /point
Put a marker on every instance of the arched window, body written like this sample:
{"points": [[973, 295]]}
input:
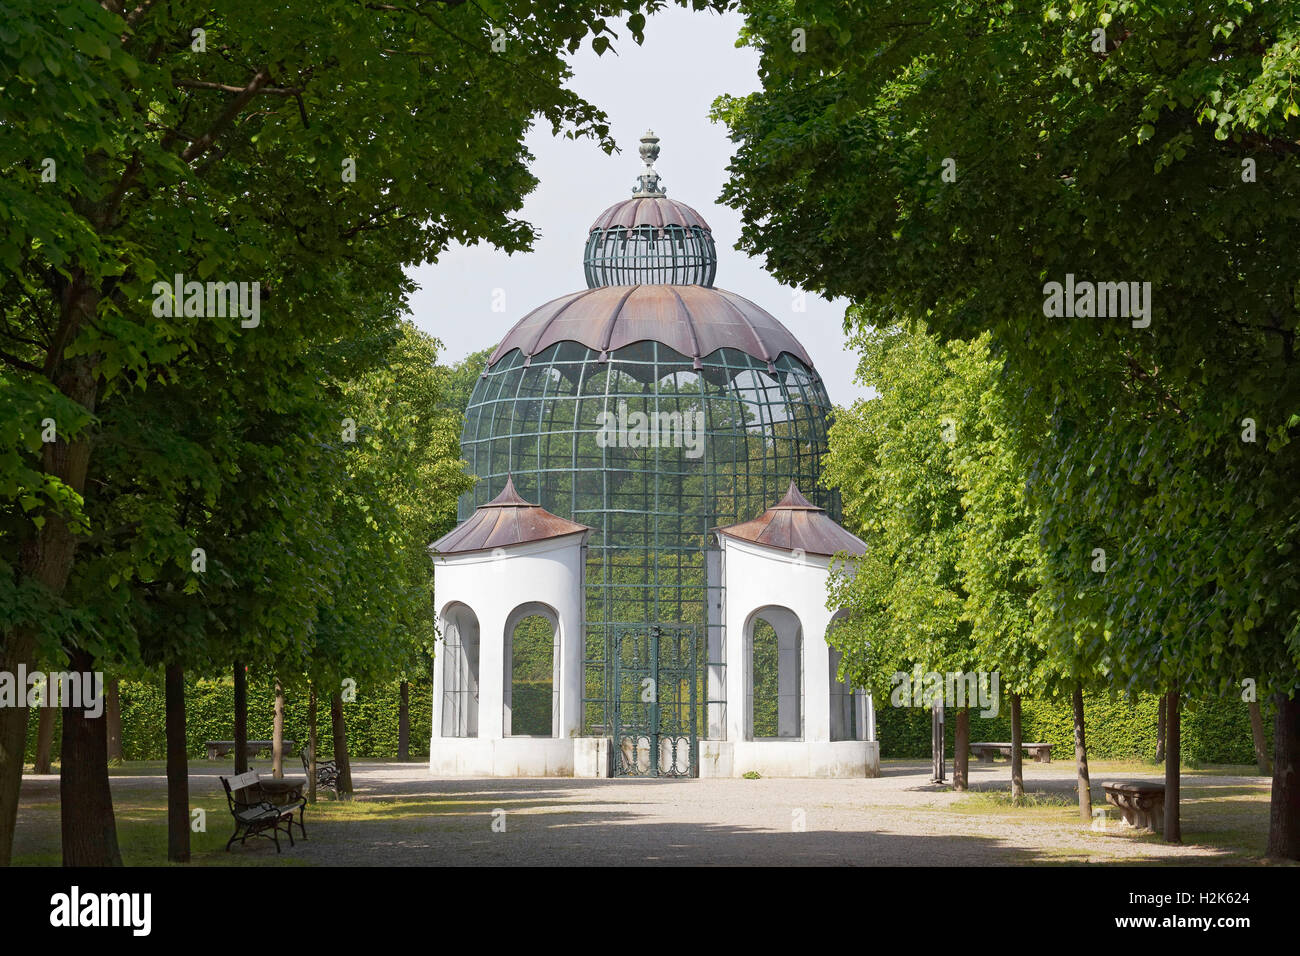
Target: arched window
{"points": [[531, 659], [775, 686], [843, 712], [460, 672]]}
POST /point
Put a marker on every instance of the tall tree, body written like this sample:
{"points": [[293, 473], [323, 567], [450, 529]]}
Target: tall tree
{"points": [[245, 145], [891, 458], [951, 571], [975, 154]]}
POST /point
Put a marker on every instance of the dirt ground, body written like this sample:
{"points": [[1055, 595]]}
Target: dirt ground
{"points": [[402, 816]]}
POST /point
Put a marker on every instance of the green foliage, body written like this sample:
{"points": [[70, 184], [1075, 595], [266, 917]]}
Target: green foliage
{"points": [[766, 689], [262, 151], [399, 484], [931, 484], [372, 719], [1212, 731], [1118, 164], [532, 685], [531, 707]]}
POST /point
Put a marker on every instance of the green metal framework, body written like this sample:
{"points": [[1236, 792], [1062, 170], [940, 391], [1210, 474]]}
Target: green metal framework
{"points": [[665, 255], [656, 674], [721, 443]]}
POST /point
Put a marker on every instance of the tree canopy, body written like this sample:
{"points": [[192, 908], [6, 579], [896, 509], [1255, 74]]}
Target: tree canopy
{"points": [[951, 161]]}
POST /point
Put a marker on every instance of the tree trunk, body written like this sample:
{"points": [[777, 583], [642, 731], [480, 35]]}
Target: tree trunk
{"points": [[45, 737], [1261, 742], [404, 723], [47, 556], [1017, 769], [937, 763], [1160, 729], [241, 718], [1173, 762], [1284, 812], [86, 802], [1081, 758], [961, 750], [277, 734], [18, 650], [113, 714], [340, 744], [178, 769], [311, 745]]}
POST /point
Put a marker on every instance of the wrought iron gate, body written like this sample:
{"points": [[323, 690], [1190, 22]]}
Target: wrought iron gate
{"points": [[656, 700]]}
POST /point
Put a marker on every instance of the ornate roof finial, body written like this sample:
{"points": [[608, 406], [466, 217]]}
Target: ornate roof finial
{"points": [[647, 184]]}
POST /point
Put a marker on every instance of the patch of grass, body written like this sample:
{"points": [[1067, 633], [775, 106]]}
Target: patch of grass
{"points": [[982, 801], [751, 775], [1098, 768]]}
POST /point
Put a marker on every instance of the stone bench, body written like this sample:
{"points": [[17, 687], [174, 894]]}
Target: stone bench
{"points": [[219, 748], [1141, 804], [1042, 753]]}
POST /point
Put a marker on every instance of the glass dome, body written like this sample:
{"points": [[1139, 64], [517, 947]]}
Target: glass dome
{"points": [[652, 413]]}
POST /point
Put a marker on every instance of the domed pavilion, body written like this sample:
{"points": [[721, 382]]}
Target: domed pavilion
{"points": [[594, 602]]}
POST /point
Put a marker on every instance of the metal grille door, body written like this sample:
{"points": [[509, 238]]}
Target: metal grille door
{"points": [[656, 700]]}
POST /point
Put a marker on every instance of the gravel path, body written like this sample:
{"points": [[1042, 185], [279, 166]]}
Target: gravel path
{"points": [[896, 819]]}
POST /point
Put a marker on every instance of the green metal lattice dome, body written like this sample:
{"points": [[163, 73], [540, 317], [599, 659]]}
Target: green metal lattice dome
{"points": [[651, 407]]}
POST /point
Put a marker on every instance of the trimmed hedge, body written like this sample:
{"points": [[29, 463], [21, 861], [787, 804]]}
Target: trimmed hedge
{"points": [[1212, 731], [531, 708], [210, 706]]}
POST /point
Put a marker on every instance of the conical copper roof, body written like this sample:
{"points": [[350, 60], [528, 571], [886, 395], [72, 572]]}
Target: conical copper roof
{"points": [[795, 524], [504, 521]]}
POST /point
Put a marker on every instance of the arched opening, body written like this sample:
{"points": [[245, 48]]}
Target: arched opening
{"points": [[532, 655], [774, 653], [843, 711], [460, 674]]}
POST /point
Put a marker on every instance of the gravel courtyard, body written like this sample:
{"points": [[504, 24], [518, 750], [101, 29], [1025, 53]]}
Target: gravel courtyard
{"points": [[402, 816]]}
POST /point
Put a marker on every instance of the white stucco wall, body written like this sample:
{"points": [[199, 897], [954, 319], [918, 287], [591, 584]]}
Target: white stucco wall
{"points": [[783, 587], [495, 585]]}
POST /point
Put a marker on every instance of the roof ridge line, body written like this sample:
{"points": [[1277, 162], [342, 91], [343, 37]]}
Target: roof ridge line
{"points": [[549, 322], [690, 323], [748, 324], [608, 332]]}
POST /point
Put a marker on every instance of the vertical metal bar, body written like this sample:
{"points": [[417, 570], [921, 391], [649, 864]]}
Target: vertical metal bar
{"points": [[654, 701]]}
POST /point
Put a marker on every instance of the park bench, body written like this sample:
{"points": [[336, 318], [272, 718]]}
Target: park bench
{"points": [[1042, 753], [1141, 804], [219, 748], [327, 771], [256, 812]]}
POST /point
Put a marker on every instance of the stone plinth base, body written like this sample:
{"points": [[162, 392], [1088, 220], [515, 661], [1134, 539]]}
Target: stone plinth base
{"points": [[790, 758], [509, 757]]}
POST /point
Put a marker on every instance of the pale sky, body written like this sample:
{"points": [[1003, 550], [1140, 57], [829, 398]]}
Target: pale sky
{"points": [[667, 84]]}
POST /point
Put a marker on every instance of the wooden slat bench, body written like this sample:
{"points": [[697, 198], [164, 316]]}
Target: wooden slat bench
{"points": [[255, 813], [1141, 804], [1042, 753], [219, 748]]}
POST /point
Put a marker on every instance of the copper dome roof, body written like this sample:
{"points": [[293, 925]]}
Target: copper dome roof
{"points": [[796, 524], [504, 521], [694, 320], [656, 211]]}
